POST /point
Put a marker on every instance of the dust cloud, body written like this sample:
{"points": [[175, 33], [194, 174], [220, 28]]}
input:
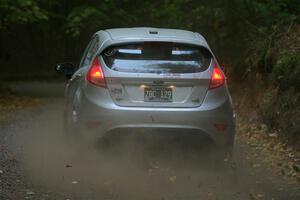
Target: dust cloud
{"points": [[130, 167], [133, 168]]}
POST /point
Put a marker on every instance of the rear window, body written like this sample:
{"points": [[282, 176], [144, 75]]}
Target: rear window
{"points": [[157, 57]]}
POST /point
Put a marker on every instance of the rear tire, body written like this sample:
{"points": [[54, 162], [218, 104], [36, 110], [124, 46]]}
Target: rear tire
{"points": [[72, 125]]}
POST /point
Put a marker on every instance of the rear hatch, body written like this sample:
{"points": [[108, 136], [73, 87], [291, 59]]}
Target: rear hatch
{"points": [[157, 74]]}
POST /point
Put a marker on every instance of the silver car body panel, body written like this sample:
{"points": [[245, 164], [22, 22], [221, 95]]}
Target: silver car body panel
{"points": [[130, 35], [195, 107]]}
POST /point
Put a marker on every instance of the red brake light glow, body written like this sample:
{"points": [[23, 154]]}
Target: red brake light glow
{"points": [[217, 78], [95, 74], [220, 127]]}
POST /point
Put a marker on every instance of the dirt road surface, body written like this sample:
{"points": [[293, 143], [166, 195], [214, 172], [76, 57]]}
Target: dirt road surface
{"points": [[36, 163]]}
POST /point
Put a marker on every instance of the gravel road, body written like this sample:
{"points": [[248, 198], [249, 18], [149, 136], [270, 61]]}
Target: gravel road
{"points": [[35, 163]]}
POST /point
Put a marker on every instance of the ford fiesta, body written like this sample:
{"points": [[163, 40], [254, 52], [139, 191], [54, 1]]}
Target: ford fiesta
{"points": [[149, 78]]}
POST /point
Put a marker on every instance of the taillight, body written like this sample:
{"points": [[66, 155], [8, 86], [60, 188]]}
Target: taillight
{"points": [[217, 78], [95, 74], [220, 126]]}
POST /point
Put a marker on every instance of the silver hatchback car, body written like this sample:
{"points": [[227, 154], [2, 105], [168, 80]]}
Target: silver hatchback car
{"points": [[148, 78]]}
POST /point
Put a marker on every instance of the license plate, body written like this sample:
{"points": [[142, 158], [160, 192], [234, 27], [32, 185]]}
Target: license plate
{"points": [[158, 94]]}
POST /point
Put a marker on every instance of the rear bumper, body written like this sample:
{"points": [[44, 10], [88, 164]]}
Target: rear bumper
{"points": [[100, 118]]}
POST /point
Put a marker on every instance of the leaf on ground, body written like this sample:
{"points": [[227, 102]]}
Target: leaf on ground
{"points": [[30, 193], [68, 166], [253, 197], [256, 196], [172, 179], [273, 135], [256, 165], [296, 168]]}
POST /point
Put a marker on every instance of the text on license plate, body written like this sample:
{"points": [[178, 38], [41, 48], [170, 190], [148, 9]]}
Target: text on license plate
{"points": [[158, 94]]}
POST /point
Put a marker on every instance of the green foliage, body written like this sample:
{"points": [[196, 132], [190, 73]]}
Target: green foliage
{"points": [[286, 72], [277, 10], [187, 14], [268, 22], [20, 12], [79, 17], [233, 28], [281, 111]]}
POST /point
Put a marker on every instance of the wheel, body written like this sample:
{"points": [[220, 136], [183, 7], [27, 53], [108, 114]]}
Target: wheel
{"points": [[72, 124]]}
